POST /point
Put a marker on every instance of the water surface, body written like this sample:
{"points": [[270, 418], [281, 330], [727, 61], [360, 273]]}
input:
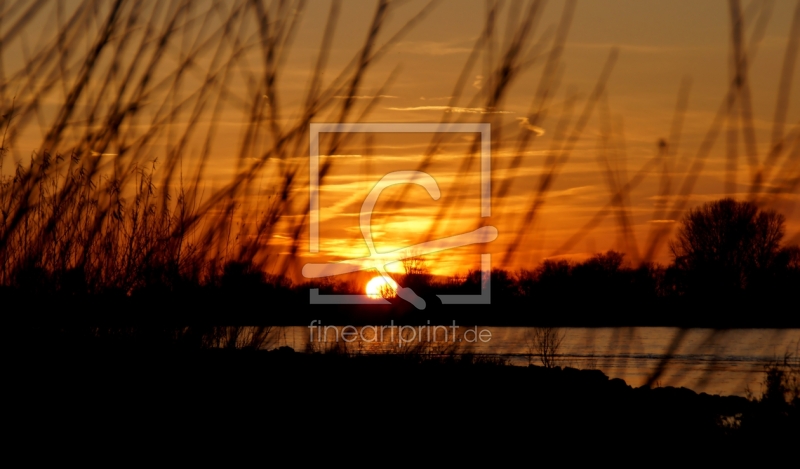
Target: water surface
{"points": [[704, 360]]}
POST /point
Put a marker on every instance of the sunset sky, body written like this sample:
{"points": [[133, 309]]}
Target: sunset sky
{"points": [[661, 45]]}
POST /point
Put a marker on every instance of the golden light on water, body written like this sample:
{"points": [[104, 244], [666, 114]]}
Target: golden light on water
{"points": [[380, 287]]}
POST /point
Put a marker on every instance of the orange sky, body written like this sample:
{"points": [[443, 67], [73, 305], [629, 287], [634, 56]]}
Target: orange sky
{"points": [[659, 43]]}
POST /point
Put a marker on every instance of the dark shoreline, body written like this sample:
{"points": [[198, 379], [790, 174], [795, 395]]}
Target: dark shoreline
{"points": [[198, 311], [127, 383]]}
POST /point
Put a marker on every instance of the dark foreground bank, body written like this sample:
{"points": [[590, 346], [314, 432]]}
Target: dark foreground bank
{"points": [[119, 397]]}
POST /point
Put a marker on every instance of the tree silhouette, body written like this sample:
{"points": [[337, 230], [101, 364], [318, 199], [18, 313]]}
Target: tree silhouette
{"points": [[545, 342], [415, 264], [726, 245]]}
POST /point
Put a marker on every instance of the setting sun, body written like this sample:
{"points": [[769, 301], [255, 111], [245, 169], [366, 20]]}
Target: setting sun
{"points": [[379, 287]]}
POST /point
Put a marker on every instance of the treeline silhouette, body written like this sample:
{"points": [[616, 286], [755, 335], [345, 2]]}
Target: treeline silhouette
{"points": [[729, 270]]}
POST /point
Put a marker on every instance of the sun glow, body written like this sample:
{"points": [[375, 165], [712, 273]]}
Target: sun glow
{"points": [[379, 287]]}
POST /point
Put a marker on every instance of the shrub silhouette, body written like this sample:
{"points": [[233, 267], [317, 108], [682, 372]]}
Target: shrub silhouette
{"points": [[775, 417], [545, 342]]}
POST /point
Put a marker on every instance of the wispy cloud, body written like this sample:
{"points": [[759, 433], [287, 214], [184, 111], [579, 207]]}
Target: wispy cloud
{"points": [[526, 124], [459, 110], [640, 48], [364, 96], [433, 48]]}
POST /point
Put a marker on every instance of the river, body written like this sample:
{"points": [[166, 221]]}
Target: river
{"points": [[727, 362]]}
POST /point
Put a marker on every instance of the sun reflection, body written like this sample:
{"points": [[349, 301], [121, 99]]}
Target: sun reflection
{"points": [[379, 287]]}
